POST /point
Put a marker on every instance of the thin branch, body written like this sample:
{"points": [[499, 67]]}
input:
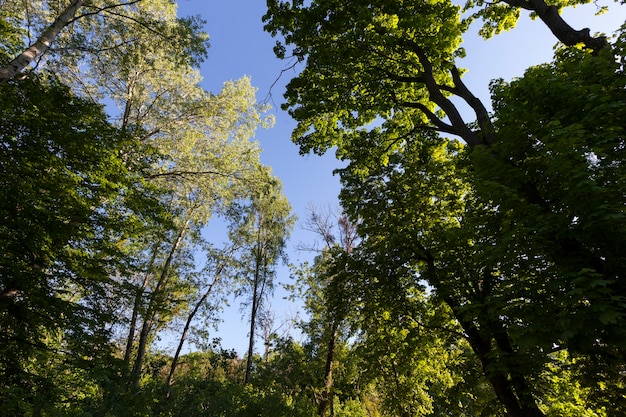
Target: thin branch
{"points": [[102, 9], [268, 97], [92, 50], [405, 78], [440, 125], [144, 25], [171, 174]]}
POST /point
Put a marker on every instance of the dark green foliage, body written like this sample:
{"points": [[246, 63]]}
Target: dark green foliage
{"points": [[557, 176], [488, 279], [519, 230], [68, 203]]}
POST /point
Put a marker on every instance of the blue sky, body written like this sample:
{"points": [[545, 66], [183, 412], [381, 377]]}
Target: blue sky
{"points": [[239, 47]]}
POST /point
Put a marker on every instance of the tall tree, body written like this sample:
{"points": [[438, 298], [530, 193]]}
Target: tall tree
{"points": [[265, 224], [212, 165], [385, 74], [206, 157], [220, 265], [569, 233], [72, 191], [140, 57], [320, 290]]}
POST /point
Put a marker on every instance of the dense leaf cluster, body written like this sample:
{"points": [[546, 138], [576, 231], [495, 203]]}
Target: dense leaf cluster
{"points": [[476, 268], [512, 219], [72, 191]]}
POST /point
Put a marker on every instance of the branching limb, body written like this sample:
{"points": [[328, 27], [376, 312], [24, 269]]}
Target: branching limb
{"points": [[440, 125], [558, 26], [482, 116], [98, 10], [268, 97], [457, 123]]}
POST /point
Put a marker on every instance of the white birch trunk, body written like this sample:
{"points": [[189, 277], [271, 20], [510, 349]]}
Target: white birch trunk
{"points": [[41, 45]]}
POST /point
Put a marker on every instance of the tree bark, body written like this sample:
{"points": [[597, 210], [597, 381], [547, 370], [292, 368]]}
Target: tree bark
{"points": [[516, 404], [559, 27], [436, 96], [253, 314], [502, 385], [487, 131], [41, 45], [183, 337], [135, 314]]}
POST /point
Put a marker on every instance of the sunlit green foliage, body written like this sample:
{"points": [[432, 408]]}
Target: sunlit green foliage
{"points": [[487, 279], [106, 214], [513, 230]]}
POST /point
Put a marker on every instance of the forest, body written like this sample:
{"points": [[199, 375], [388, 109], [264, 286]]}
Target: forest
{"points": [[471, 269]]}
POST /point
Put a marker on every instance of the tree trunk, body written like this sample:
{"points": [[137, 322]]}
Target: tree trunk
{"points": [[149, 317], [183, 337], [327, 399], [255, 306], [41, 45], [516, 398], [516, 404], [135, 314], [559, 27]]}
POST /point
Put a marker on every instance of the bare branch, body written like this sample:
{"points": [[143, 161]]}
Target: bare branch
{"points": [[268, 97]]}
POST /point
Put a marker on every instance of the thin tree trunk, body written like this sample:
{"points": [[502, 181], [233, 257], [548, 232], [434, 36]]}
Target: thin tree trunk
{"points": [[149, 317], [135, 315], [255, 306], [41, 45], [183, 337], [327, 400]]}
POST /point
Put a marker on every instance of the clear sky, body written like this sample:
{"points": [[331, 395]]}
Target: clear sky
{"points": [[239, 47]]}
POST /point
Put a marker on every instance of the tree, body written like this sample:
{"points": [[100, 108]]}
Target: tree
{"points": [[206, 158], [377, 84], [573, 152], [139, 56], [72, 193], [41, 45], [70, 27], [264, 224], [320, 290]]}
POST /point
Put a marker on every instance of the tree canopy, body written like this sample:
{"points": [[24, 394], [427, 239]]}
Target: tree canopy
{"points": [[474, 268], [505, 225]]}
